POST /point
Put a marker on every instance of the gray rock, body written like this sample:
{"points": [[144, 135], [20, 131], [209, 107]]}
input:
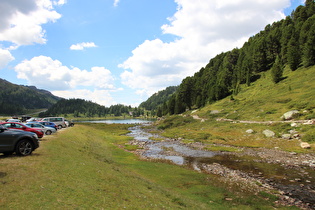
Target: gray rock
{"points": [[269, 133], [250, 131], [290, 115], [286, 136], [305, 145]]}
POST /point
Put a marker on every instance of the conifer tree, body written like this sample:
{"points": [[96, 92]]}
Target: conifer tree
{"points": [[293, 54], [309, 48], [277, 71]]}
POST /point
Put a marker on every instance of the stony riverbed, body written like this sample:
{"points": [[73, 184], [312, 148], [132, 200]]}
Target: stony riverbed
{"points": [[291, 176]]}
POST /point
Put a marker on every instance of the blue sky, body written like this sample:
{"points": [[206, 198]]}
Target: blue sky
{"points": [[122, 51]]}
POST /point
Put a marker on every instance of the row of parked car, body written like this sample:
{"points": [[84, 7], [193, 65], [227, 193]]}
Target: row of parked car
{"points": [[23, 138]]}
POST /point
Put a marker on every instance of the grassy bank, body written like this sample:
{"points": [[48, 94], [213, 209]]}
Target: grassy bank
{"points": [[262, 101], [85, 167]]}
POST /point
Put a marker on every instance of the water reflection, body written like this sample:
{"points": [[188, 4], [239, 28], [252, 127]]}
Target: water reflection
{"points": [[120, 121]]}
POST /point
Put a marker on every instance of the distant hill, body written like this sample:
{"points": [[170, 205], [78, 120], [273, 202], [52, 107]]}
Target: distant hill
{"points": [[17, 99], [84, 108], [158, 98]]}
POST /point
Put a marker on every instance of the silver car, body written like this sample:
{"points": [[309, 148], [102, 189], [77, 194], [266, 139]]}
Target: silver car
{"points": [[47, 130]]}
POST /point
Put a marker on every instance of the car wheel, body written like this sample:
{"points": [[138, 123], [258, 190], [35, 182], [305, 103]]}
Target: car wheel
{"points": [[24, 148], [48, 132], [59, 126]]}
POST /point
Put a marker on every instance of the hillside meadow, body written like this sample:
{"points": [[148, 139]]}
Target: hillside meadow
{"points": [[87, 167], [257, 107]]}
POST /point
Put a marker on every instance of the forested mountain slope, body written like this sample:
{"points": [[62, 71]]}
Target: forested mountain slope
{"points": [[158, 98], [286, 44], [16, 99], [83, 108]]}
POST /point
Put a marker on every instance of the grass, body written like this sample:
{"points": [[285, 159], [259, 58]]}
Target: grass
{"points": [[262, 101], [84, 167]]}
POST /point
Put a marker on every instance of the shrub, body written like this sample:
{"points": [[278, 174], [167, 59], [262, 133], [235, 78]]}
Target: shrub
{"points": [[309, 136]]}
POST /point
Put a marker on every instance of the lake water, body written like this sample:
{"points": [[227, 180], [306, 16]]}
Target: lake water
{"points": [[122, 121]]}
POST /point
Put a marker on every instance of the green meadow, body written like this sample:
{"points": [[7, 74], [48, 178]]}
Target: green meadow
{"points": [[88, 167]]}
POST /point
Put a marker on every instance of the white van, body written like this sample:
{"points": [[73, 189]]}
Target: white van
{"points": [[59, 121]]}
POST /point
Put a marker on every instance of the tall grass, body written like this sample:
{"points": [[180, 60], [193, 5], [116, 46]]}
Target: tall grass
{"points": [[86, 167]]}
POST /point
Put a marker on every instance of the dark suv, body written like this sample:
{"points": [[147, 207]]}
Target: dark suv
{"points": [[21, 142]]}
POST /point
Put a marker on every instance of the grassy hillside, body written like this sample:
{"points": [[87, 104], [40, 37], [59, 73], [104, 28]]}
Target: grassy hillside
{"points": [[86, 167], [20, 99], [262, 101]]}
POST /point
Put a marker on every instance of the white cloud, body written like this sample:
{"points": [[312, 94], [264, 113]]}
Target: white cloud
{"points": [[204, 29], [21, 21], [116, 3], [44, 72], [49, 74], [81, 46], [60, 2], [5, 58], [101, 97]]}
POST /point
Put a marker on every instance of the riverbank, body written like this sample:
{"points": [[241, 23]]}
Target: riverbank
{"points": [[84, 167], [288, 175]]}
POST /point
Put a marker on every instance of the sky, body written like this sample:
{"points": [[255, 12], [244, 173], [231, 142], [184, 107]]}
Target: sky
{"points": [[122, 51]]}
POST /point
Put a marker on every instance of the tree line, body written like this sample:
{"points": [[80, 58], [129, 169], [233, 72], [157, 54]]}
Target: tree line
{"points": [[84, 108], [289, 42], [17, 99]]}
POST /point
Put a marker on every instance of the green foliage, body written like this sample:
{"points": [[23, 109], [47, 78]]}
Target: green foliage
{"points": [[289, 42], [80, 107], [175, 121], [276, 71], [309, 136], [16, 99], [158, 98]]}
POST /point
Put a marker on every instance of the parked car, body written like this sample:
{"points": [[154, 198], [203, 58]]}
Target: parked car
{"points": [[13, 120], [32, 119], [21, 142], [69, 123], [20, 126], [59, 121], [47, 130], [48, 124]]}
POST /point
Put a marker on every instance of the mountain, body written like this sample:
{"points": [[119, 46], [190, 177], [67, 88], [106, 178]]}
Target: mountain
{"points": [[17, 99], [83, 108], [288, 44], [158, 98]]}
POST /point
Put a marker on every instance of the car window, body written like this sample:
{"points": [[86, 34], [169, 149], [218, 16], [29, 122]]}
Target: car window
{"points": [[34, 125], [17, 125]]}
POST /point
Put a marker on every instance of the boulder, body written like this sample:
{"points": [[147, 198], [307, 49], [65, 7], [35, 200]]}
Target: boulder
{"points": [[250, 131], [309, 122], [290, 115], [269, 133], [305, 145], [286, 136]]}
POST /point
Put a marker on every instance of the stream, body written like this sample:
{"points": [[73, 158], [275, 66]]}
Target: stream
{"points": [[294, 181]]}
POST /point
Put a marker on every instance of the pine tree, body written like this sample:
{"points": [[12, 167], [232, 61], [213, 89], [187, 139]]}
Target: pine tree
{"points": [[277, 71], [309, 48], [293, 54]]}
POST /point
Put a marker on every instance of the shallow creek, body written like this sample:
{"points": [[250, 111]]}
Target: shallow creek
{"points": [[296, 182]]}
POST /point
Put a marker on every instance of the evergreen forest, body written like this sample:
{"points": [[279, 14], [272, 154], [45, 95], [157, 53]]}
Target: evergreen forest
{"points": [[289, 43], [17, 99], [83, 108]]}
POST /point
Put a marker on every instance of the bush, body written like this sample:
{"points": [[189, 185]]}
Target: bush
{"points": [[175, 121], [309, 136]]}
